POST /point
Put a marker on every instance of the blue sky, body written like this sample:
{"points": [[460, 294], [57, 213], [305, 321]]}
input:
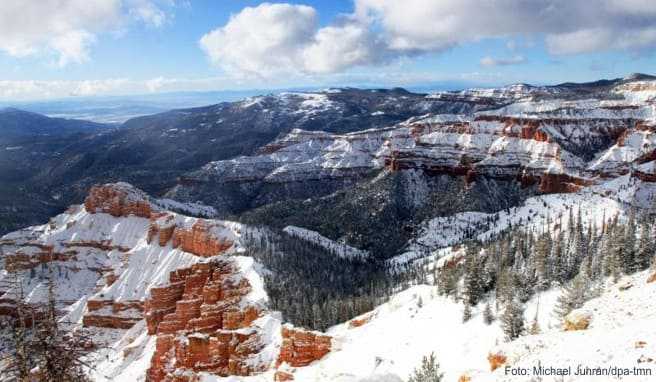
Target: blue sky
{"points": [[141, 46]]}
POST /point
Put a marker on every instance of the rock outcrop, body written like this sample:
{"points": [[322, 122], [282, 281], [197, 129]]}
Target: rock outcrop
{"points": [[114, 315], [118, 199], [577, 320], [300, 348], [202, 323], [203, 238]]}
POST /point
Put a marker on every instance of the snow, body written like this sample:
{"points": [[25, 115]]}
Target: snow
{"points": [[536, 214], [340, 249], [401, 332]]}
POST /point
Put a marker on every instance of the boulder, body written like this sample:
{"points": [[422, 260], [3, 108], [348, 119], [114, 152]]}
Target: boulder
{"points": [[577, 320]]}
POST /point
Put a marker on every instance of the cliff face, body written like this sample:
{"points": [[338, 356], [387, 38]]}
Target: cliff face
{"points": [[301, 348], [176, 278], [199, 320], [561, 149], [117, 200]]}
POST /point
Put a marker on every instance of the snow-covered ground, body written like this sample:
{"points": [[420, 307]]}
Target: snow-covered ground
{"points": [[417, 322], [536, 214]]}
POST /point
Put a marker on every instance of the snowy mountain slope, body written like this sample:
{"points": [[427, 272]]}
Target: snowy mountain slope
{"points": [[173, 298], [537, 214], [339, 249], [416, 322]]}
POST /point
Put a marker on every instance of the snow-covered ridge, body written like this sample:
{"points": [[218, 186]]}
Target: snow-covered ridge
{"points": [[339, 249]]}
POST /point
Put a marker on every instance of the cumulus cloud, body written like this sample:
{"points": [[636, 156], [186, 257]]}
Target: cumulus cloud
{"points": [[262, 40], [515, 60], [570, 26], [282, 38], [271, 39], [66, 29]]}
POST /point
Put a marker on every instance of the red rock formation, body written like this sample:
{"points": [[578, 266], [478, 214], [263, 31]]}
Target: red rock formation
{"points": [[21, 261], [109, 321], [196, 318], [357, 322], [282, 376], [300, 348], [116, 200], [110, 314], [104, 245], [645, 176], [199, 240], [560, 183]]}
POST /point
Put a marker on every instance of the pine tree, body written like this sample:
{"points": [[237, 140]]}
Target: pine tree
{"points": [[541, 258], [646, 247], [473, 283], [535, 325], [488, 316], [466, 313], [628, 261], [428, 372], [512, 319], [574, 295], [447, 281]]}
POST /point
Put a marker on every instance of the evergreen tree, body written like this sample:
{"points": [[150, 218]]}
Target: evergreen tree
{"points": [[488, 316], [542, 251], [535, 325], [473, 283], [646, 247], [574, 295], [447, 281], [628, 260], [428, 372], [512, 319], [466, 313]]}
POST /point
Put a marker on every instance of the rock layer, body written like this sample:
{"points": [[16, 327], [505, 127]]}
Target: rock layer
{"points": [[300, 348], [117, 200], [202, 323]]}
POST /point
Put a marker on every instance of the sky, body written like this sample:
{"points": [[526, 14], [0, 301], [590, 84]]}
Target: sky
{"points": [[64, 48]]}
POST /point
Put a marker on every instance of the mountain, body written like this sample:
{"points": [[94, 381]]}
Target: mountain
{"points": [[152, 152], [374, 188], [343, 235], [29, 143]]}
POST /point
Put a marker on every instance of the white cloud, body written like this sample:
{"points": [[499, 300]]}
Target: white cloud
{"points": [[514, 60], [148, 12], [67, 29], [570, 26], [23, 90], [274, 39], [263, 40]]}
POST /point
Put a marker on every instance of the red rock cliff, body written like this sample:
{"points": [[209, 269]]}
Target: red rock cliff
{"points": [[117, 200], [300, 348], [197, 319]]}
